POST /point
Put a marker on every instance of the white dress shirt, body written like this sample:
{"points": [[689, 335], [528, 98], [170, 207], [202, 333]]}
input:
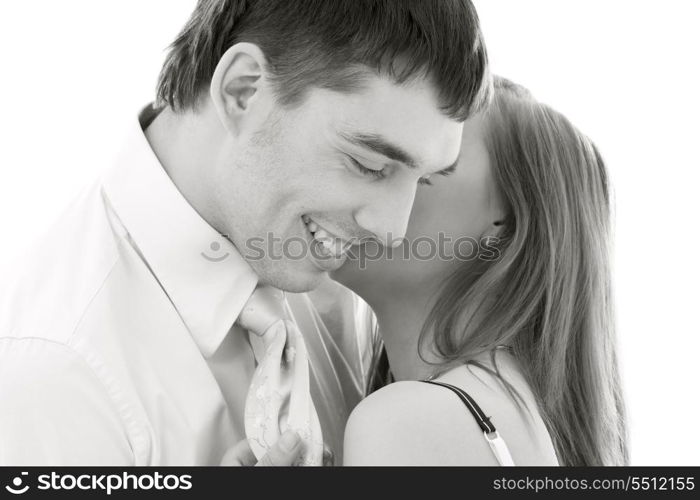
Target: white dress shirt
{"points": [[116, 337]]}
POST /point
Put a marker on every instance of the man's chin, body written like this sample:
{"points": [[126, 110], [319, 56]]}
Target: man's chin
{"points": [[305, 284], [292, 280]]}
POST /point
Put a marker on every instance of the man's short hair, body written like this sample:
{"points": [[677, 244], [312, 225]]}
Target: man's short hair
{"points": [[331, 44]]}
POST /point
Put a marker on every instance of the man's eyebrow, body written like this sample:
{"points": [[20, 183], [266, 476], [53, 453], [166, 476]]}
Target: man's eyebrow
{"points": [[380, 145]]}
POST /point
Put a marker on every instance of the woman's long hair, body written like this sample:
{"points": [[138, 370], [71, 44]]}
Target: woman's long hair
{"points": [[548, 295]]}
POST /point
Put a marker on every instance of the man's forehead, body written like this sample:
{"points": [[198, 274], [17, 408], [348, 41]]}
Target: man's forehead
{"points": [[405, 118]]}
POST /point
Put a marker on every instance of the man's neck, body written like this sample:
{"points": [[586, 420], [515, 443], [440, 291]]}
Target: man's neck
{"points": [[184, 145]]}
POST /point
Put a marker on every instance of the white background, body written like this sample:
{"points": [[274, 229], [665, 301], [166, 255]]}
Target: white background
{"points": [[626, 72]]}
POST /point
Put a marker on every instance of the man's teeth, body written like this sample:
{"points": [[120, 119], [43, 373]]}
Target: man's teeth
{"points": [[330, 244], [320, 234], [326, 240]]}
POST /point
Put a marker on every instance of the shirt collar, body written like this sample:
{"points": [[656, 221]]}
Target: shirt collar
{"points": [[201, 271]]}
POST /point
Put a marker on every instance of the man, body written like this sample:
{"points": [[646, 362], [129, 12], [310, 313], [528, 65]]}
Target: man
{"points": [[280, 128]]}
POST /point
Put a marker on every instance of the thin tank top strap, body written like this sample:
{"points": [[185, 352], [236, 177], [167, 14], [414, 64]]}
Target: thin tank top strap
{"points": [[495, 441], [481, 418]]}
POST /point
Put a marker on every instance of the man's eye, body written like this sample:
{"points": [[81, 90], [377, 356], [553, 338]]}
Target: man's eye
{"points": [[367, 171], [425, 181]]}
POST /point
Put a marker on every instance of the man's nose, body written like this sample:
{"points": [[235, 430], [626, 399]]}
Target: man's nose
{"points": [[387, 216]]}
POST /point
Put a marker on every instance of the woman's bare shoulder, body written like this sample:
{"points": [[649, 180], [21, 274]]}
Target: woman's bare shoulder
{"points": [[520, 425], [414, 423]]}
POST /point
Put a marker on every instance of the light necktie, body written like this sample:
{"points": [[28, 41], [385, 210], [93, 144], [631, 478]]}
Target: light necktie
{"points": [[278, 397]]}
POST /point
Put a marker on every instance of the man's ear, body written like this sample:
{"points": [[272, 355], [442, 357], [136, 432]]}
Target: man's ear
{"points": [[238, 87]]}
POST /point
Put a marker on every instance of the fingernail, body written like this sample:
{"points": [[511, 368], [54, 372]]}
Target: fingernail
{"points": [[289, 440]]}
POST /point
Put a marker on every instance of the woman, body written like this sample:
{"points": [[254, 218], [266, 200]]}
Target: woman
{"points": [[525, 328]]}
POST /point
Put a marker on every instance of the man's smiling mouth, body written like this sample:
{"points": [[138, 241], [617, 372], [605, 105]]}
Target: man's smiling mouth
{"points": [[329, 244]]}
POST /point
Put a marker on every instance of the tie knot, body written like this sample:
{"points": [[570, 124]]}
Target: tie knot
{"points": [[264, 307]]}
